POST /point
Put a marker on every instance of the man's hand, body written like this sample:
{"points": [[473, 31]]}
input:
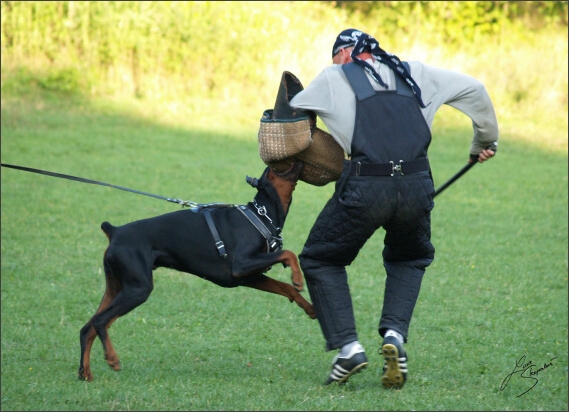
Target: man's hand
{"points": [[482, 156], [485, 155]]}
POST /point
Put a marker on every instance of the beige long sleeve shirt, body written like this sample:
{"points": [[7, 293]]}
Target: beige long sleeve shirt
{"points": [[331, 97]]}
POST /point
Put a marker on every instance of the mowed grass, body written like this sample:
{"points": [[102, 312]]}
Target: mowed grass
{"points": [[496, 292]]}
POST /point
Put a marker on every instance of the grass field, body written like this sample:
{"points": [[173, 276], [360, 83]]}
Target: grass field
{"points": [[496, 292]]}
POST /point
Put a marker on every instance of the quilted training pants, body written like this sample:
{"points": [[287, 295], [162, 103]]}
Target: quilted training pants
{"points": [[360, 205]]}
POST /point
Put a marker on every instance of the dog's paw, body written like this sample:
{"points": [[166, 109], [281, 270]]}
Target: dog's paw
{"points": [[310, 311], [114, 362], [85, 375]]}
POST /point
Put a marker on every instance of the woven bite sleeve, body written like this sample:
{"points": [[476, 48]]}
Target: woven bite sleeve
{"points": [[280, 139]]}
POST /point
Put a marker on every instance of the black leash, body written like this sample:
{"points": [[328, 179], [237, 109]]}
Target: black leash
{"points": [[466, 168], [273, 243], [184, 203], [187, 203]]}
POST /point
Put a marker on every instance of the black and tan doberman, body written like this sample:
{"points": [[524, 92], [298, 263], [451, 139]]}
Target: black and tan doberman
{"points": [[229, 245]]}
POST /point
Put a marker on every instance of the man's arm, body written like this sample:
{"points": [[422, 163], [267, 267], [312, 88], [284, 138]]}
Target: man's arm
{"points": [[463, 92]]}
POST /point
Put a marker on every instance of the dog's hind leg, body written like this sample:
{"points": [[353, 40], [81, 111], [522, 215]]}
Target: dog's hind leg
{"points": [[88, 333], [86, 338], [127, 293], [128, 299], [267, 284]]}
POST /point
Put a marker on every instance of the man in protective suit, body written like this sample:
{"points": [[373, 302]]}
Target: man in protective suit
{"points": [[380, 111]]}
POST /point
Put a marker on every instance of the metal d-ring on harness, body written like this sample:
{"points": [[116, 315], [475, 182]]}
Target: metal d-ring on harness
{"points": [[274, 243]]}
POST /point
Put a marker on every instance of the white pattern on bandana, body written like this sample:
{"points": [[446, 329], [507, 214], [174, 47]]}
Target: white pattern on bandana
{"points": [[366, 43]]}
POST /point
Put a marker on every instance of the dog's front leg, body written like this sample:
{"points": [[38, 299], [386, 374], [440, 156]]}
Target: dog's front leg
{"points": [[290, 259], [267, 284], [245, 264]]}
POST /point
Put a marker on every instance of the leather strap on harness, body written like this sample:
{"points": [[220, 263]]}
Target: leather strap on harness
{"points": [[218, 242], [274, 243]]}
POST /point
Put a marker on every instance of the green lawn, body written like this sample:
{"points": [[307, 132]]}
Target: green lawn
{"points": [[497, 290]]}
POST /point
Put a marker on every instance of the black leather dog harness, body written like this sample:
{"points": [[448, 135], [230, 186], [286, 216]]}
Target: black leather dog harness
{"points": [[274, 242]]}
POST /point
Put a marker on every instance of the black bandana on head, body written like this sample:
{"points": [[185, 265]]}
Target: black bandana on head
{"points": [[346, 38], [363, 42]]}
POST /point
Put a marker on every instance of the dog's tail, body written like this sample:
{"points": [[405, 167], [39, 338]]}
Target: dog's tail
{"points": [[108, 229]]}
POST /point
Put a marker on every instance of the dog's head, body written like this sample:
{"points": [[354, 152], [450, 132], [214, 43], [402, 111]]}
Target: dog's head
{"points": [[278, 185], [292, 174]]}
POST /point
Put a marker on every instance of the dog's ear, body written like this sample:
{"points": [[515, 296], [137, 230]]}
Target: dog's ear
{"points": [[253, 181]]}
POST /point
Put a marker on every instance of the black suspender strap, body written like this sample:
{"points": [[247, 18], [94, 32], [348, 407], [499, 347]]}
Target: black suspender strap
{"points": [[358, 80], [402, 87], [362, 87]]}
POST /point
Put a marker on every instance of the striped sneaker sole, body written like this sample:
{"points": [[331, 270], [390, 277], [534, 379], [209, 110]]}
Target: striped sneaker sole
{"points": [[394, 369], [341, 375], [343, 368]]}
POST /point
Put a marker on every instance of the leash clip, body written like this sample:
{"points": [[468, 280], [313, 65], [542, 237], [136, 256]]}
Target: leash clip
{"points": [[396, 168], [183, 203]]}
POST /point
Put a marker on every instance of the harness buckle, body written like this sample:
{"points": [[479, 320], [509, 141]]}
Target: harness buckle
{"points": [[221, 247], [358, 168], [396, 168]]}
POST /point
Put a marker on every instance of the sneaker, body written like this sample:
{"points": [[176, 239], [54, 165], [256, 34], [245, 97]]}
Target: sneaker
{"points": [[395, 366], [343, 368]]}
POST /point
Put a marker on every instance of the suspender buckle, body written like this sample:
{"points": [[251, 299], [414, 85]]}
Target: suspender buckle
{"points": [[358, 168], [396, 168]]}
